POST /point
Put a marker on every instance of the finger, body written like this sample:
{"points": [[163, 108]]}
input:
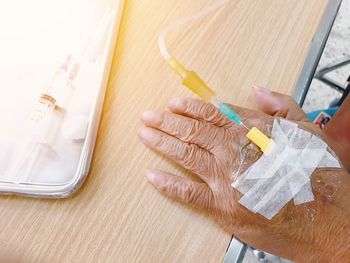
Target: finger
{"points": [[279, 105], [182, 189], [190, 156], [197, 109], [186, 129]]}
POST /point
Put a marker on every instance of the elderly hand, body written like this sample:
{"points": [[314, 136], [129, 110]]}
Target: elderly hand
{"points": [[199, 138]]}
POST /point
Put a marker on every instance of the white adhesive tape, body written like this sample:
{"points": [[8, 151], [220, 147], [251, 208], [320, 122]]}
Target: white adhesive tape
{"points": [[275, 179]]}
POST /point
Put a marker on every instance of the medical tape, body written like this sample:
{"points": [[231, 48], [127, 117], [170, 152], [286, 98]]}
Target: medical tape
{"points": [[285, 174]]}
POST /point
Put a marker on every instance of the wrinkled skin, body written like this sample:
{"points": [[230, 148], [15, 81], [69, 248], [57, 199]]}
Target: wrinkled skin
{"points": [[196, 136]]}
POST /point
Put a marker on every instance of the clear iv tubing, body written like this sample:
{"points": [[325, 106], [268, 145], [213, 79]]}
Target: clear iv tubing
{"points": [[223, 108], [185, 20]]}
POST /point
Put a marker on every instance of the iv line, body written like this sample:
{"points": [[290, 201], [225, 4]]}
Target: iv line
{"points": [[192, 81]]}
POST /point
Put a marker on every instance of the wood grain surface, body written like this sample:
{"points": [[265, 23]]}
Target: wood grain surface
{"points": [[117, 216]]}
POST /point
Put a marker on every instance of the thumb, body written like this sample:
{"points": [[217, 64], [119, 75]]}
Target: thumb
{"points": [[182, 189], [279, 105]]}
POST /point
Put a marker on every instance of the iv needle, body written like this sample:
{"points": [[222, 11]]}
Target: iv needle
{"points": [[244, 126]]}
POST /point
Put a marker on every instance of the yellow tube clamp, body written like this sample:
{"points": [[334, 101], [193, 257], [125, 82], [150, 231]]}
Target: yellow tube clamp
{"points": [[261, 140], [192, 81]]}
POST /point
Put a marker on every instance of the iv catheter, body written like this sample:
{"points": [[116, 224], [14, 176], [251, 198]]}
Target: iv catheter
{"points": [[193, 82]]}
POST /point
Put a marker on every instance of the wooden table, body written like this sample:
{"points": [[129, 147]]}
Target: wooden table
{"points": [[117, 216]]}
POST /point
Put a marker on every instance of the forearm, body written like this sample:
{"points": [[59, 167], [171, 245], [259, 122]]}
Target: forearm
{"points": [[338, 134], [323, 234], [332, 187]]}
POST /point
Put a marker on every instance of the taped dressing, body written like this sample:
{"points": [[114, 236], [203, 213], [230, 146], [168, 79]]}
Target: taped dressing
{"points": [[284, 174]]}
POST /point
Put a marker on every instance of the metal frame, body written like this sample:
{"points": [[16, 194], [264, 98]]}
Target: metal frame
{"points": [[316, 49], [321, 74], [237, 250]]}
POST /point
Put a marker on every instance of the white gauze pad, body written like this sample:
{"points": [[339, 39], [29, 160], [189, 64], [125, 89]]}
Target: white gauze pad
{"points": [[284, 174]]}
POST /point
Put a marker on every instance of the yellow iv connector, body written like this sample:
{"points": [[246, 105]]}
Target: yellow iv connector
{"points": [[193, 82]]}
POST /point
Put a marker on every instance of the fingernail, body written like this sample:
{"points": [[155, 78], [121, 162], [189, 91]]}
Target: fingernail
{"points": [[149, 135], [177, 103], [262, 89], [150, 176], [152, 117], [156, 178]]}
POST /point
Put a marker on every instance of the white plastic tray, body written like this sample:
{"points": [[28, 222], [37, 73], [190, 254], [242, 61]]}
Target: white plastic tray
{"points": [[36, 36]]}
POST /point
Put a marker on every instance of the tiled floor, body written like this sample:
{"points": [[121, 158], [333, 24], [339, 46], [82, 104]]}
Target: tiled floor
{"points": [[337, 48]]}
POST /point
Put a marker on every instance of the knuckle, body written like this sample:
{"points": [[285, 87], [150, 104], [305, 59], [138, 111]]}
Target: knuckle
{"points": [[165, 122], [183, 191], [210, 113], [190, 130], [196, 130], [197, 195], [188, 106], [166, 145], [164, 188], [187, 192], [161, 143], [188, 155], [194, 107]]}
